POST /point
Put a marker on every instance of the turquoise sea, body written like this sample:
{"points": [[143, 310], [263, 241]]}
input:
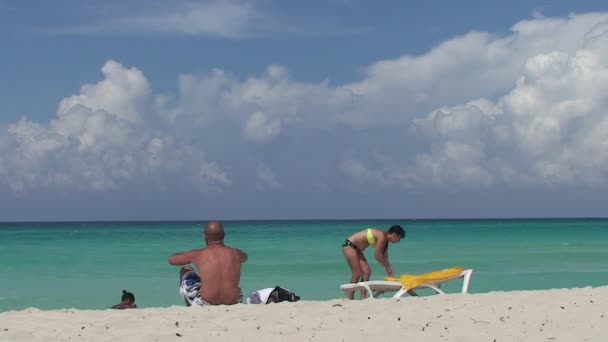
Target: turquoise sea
{"points": [[87, 265]]}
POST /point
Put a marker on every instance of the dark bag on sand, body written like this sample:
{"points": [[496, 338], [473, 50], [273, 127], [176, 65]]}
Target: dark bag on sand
{"points": [[280, 294], [272, 295]]}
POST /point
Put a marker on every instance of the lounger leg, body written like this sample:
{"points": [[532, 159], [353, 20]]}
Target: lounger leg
{"points": [[347, 293], [402, 292], [370, 293], [466, 279]]}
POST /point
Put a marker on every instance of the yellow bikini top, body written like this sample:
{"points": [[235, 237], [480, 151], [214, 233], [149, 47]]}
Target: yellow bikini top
{"points": [[371, 240]]}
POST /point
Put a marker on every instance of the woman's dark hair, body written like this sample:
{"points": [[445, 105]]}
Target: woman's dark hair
{"points": [[127, 295], [396, 229]]}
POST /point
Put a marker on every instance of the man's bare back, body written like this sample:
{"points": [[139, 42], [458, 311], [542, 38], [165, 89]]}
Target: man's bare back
{"points": [[219, 267], [220, 270]]}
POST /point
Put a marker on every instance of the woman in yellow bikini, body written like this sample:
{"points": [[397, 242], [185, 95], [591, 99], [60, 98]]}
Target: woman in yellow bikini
{"points": [[354, 246]]}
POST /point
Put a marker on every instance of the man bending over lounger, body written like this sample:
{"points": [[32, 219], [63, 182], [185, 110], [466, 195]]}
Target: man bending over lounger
{"points": [[219, 270]]}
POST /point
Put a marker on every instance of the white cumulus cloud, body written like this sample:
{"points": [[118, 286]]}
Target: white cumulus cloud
{"points": [[120, 93], [100, 142], [261, 128], [266, 178], [551, 128], [487, 109], [528, 107]]}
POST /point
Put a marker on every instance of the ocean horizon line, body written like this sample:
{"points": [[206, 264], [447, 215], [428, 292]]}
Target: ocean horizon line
{"points": [[311, 220]]}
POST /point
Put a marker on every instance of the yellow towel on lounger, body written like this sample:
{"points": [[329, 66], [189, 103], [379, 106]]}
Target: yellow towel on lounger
{"points": [[410, 281]]}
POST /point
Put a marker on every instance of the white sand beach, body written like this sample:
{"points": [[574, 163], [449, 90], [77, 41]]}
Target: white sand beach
{"points": [[551, 315]]}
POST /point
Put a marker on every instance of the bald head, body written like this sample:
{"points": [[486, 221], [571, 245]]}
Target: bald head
{"points": [[214, 232]]}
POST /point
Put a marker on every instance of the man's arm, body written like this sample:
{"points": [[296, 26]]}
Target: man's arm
{"points": [[242, 254], [181, 259]]}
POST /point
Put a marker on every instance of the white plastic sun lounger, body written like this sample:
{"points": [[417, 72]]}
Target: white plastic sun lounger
{"points": [[376, 288]]}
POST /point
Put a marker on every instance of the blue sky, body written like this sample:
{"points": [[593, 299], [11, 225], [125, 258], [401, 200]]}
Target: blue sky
{"points": [[319, 109]]}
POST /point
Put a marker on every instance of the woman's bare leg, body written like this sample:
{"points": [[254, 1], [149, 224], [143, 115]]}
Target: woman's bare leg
{"points": [[352, 258], [366, 272]]}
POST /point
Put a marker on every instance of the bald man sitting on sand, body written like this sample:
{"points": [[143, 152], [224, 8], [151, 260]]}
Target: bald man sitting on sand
{"points": [[219, 267]]}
